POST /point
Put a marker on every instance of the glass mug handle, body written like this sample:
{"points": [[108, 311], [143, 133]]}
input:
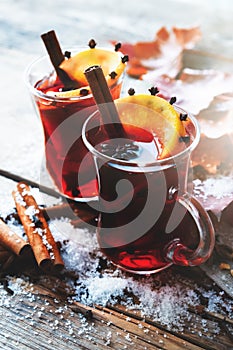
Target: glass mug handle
{"points": [[176, 252]]}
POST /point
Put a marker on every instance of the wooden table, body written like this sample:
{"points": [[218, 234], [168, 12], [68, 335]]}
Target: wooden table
{"points": [[37, 311], [40, 316]]}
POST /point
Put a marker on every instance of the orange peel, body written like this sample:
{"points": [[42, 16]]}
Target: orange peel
{"points": [[109, 60], [155, 115]]}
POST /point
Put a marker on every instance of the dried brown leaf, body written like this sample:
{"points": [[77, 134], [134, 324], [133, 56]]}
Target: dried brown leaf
{"points": [[163, 55]]}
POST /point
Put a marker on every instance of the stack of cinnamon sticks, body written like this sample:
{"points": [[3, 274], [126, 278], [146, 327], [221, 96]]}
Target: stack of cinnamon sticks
{"points": [[40, 240], [38, 233]]}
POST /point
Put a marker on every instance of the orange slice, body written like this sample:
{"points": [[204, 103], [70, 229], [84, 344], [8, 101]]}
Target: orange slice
{"points": [[156, 115], [110, 61]]}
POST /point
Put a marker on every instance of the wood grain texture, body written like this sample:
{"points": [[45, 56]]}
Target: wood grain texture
{"points": [[44, 318]]}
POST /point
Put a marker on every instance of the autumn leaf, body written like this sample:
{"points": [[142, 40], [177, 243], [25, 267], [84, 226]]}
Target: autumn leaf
{"points": [[163, 55]]}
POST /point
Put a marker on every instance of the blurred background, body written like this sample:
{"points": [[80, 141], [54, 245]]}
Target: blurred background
{"points": [[75, 22]]}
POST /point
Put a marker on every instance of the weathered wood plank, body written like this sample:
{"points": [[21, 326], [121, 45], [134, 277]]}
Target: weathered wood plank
{"points": [[205, 329], [39, 320], [43, 317], [199, 331]]}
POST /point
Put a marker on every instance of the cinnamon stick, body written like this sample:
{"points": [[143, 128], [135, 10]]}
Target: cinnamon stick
{"points": [[10, 240], [104, 101], [57, 57], [37, 230]]}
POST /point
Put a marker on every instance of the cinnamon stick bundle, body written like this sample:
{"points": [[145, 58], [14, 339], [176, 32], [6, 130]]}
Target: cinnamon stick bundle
{"points": [[11, 241], [44, 247]]}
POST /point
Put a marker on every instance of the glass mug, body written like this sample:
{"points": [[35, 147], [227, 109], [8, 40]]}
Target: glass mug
{"points": [[148, 218], [62, 119]]}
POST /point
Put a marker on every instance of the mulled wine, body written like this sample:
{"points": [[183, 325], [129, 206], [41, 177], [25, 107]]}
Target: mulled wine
{"points": [[63, 111], [145, 223]]}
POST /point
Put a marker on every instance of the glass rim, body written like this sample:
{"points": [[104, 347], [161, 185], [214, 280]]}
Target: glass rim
{"points": [[45, 57], [158, 162]]}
